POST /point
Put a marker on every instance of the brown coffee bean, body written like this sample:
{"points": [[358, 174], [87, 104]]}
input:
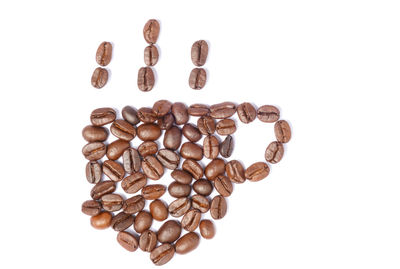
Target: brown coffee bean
{"points": [[246, 112], [147, 115], [193, 168], [131, 160], [99, 78], [268, 113], [199, 52], [211, 147], [181, 176], [179, 207], [201, 203], [145, 79], [116, 149], [206, 125], [223, 185], [127, 241], [134, 182], [187, 243], [94, 133], [283, 132], [148, 132], [172, 138], [101, 221], [168, 158], [207, 229], [148, 241], [94, 151], [226, 147], [274, 152], [152, 192], [102, 188], [91, 207], [235, 171], [226, 127], [169, 231], [162, 254], [179, 190], [158, 210], [218, 207], [166, 121], [222, 110], [152, 168], [191, 220], [143, 221], [130, 114], [121, 221], [191, 150], [214, 168], [93, 172], [198, 110], [179, 110], [151, 30], [150, 55], [191, 132], [102, 116], [148, 148], [197, 78], [257, 171], [134, 204], [203, 187], [112, 202], [113, 170], [123, 130], [162, 107], [104, 53]]}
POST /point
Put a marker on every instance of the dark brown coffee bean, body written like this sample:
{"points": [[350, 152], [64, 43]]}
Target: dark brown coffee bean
{"points": [[147, 115], [162, 107], [214, 168], [112, 202], [102, 188], [116, 149], [148, 132], [201, 203], [257, 171], [91, 207], [198, 110], [179, 190], [93, 172], [274, 152], [131, 160], [197, 78], [102, 116], [143, 221], [211, 147], [191, 150], [223, 185], [246, 112], [207, 229], [166, 121], [168, 158], [191, 132], [179, 207], [151, 30], [127, 241], [191, 219], [268, 113], [113, 170], [235, 171], [123, 130], [193, 168], [121, 221], [172, 138], [150, 55], [226, 127], [181, 176], [148, 241], [283, 132], [169, 231], [218, 207], [206, 125], [152, 168], [152, 192], [101, 221], [187, 243], [162, 254], [99, 78], [94, 133], [199, 52], [134, 182], [130, 114], [134, 204], [148, 148], [203, 187], [104, 53], [222, 110], [145, 79], [158, 210], [226, 148], [179, 110], [94, 151]]}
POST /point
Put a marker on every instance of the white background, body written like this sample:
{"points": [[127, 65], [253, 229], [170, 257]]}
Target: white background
{"points": [[332, 67]]}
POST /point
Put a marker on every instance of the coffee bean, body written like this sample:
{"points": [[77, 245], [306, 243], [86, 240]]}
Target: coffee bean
{"points": [[191, 132], [211, 147], [145, 79], [104, 53], [268, 113], [179, 110], [94, 133], [131, 160], [199, 52], [94, 151], [226, 148], [191, 220], [203, 187], [130, 115], [222, 110], [148, 132], [226, 127], [181, 176], [206, 125], [223, 185], [193, 168], [93, 172], [214, 168], [162, 254], [218, 207], [134, 182], [152, 168], [121, 221], [178, 190], [102, 116], [151, 31], [169, 231], [148, 148], [134, 204], [246, 112], [91, 207], [235, 171], [102, 188], [187, 243], [127, 241], [257, 171], [172, 138], [148, 241], [158, 210], [197, 78], [207, 229], [113, 170], [168, 158], [112, 202], [166, 121], [101, 221], [283, 132], [152, 192], [99, 78], [116, 149], [274, 152], [162, 107], [143, 221], [123, 130], [198, 110], [150, 55], [201, 203], [191, 150], [147, 115], [179, 207]]}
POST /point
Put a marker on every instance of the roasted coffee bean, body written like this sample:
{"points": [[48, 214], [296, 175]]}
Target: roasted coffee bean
{"points": [[191, 150], [168, 158], [158, 210], [134, 182], [152, 168], [201, 203], [112, 202], [274, 152], [198, 110], [268, 113], [127, 241], [148, 132], [211, 147], [148, 241], [148, 148], [130, 114], [179, 110], [203, 187], [207, 229], [193, 168], [191, 132], [101, 221], [122, 221], [178, 190], [131, 160], [147, 115], [104, 53], [145, 79], [181, 176], [172, 138], [246, 112], [179, 207], [197, 78], [134, 204], [283, 132], [152, 192], [102, 188], [93, 172], [223, 185], [102, 116], [191, 220], [166, 121], [162, 254], [257, 171], [162, 107], [151, 31], [99, 78], [222, 110], [116, 149], [214, 168], [143, 221], [218, 207], [226, 127], [94, 151], [94, 133], [91, 207], [226, 147], [123, 130], [169, 231], [113, 170], [235, 171], [206, 125], [199, 52], [150, 55], [187, 243]]}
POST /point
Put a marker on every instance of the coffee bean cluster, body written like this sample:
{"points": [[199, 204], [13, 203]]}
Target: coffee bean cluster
{"points": [[141, 167], [198, 75], [103, 58]]}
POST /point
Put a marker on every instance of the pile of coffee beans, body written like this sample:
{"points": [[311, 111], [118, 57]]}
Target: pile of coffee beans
{"points": [[138, 170]]}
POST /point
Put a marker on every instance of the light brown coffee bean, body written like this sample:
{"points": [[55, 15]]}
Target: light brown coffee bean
{"points": [[179, 110], [131, 160], [206, 125], [198, 110], [148, 148], [145, 79], [226, 147], [94, 133], [187, 243], [162, 107], [207, 229], [127, 241], [99, 78], [151, 30], [166, 121], [148, 241], [168, 158], [101, 221], [134, 204], [91, 207], [104, 53], [191, 150], [143, 221], [123, 130], [162, 254], [222, 110], [193, 168], [214, 168], [191, 219], [201, 203], [257, 171], [169, 231], [172, 138], [94, 151], [181, 176], [133, 183], [152, 168], [268, 113], [211, 147], [93, 172], [102, 116], [203, 187], [223, 185], [218, 207], [283, 132], [102, 188], [246, 112], [179, 190], [130, 114], [274, 152], [150, 55], [226, 127], [113, 170], [158, 210], [112, 202], [235, 171], [148, 132], [199, 52], [179, 207], [116, 149], [147, 115], [197, 78], [121, 221], [152, 192], [191, 132]]}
